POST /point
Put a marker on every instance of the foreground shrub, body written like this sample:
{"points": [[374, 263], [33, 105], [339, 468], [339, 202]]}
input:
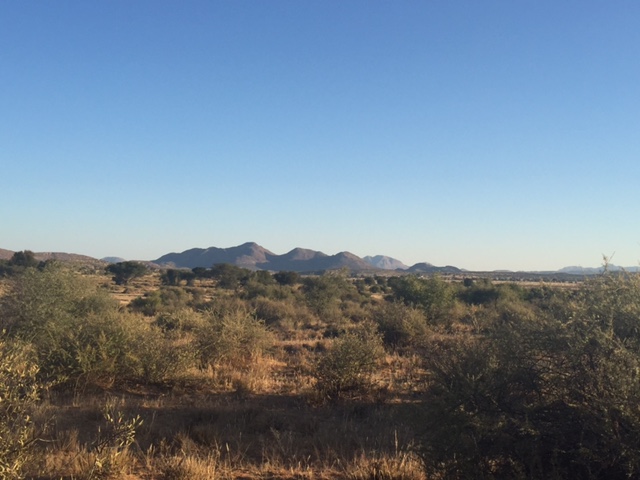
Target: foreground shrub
{"points": [[19, 391], [534, 399], [70, 323], [346, 368], [79, 334]]}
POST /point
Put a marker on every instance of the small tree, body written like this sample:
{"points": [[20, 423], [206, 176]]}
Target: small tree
{"points": [[24, 259], [171, 277], [287, 278], [18, 263], [229, 276], [124, 272]]}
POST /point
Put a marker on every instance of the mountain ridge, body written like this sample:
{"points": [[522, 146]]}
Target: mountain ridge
{"points": [[255, 257], [385, 262]]}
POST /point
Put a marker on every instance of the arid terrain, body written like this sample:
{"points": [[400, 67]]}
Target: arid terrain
{"points": [[229, 373]]}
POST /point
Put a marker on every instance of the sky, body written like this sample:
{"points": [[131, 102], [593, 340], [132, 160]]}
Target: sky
{"points": [[481, 134]]}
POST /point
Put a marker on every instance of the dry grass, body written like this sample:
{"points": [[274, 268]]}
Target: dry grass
{"points": [[261, 419], [227, 435]]}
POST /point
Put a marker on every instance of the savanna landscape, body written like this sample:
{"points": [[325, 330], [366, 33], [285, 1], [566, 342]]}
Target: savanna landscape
{"points": [[436, 182], [124, 372]]}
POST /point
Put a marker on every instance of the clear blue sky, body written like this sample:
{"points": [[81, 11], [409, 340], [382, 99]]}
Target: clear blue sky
{"points": [[482, 134]]}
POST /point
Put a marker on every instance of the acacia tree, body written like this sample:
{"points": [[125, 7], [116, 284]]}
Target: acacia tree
{"points": [[25, 258], [124, 272], [229, 276], [173, 277], [18, 263], [287, 277]]}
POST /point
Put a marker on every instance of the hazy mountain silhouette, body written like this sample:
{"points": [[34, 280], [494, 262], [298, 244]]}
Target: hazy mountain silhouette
{"points": [[253, 256], [247, 255], [384, 262], [113, 259], [428, 268], [596, 270]]}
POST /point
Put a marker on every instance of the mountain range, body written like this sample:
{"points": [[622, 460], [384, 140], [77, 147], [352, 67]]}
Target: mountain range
{"points": [[255, 257]]}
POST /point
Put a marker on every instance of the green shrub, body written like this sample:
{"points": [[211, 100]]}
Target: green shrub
{"points": [[156, 355], [401, 325], [436, 296], [38, 298], [324, 294], [182, 320], [235, 337], [166, 299], [346, 368], [80, 335], [274, 311], [72, 325], [612, 301], [533, 398]]}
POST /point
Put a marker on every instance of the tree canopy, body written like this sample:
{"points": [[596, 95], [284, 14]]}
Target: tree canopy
{"points": [[124, 272]]}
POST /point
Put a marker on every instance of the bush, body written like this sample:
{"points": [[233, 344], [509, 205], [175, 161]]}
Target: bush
{"points": [[19, 392], [39, 298], [401, 325], [433, 294], [323, 294], [274, 311], [72, 325], [232, 337], [612, 301], [79, 334], [346, 368], [539, 398], [164, 300]]}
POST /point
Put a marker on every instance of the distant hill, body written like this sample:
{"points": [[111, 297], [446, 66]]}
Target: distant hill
{"points": [[113, 259], [247, 255], [65, 257], [595, 270], [427, 268], [253, 256], [59, 256], [384, 262]]}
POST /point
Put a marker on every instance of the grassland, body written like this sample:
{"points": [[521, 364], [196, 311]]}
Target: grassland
{"points": [[321, 377]]}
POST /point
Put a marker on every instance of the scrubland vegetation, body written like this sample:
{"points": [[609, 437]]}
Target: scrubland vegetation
{"points": [[227, 373]]}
